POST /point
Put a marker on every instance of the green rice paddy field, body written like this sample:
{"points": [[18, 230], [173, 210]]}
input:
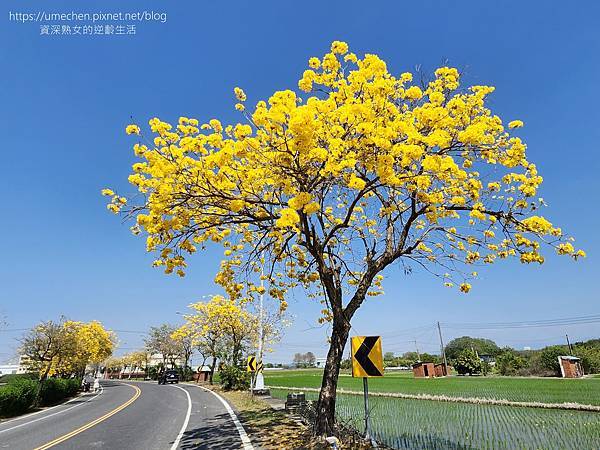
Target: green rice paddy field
{"points": [[426, 424]]}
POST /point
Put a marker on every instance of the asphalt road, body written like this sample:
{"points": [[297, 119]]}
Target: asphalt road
{"points": [[131, 415]]}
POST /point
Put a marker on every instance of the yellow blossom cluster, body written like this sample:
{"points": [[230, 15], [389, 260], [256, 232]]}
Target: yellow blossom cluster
{"points": [[365, 169]]}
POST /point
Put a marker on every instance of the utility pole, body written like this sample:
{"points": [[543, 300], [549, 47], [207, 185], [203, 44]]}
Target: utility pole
{"points": [[417, 348], [443, 349], [569, 344]]}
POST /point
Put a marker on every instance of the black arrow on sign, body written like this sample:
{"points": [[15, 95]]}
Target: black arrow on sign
{"points": [[362, 356]]}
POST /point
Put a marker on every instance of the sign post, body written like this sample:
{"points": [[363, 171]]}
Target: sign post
{"points": [[367, 361], [366, 393]]}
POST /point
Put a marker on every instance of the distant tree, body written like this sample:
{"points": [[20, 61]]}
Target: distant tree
{"points": [[549, 357], [66, 347], [304, 359], [480, 345], [160, 341], [346, 363], [93, 345], [186, 345], [467, 362], [388, 356], [428, 357], [403, 362], [45, 345], [509, 363], [590, 357], [138, 360], [412, 357], [114, 364], [298, 359]]}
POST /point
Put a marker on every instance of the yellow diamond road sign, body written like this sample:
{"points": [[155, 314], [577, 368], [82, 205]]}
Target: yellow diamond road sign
{"points": [[251, 367], [367, 359]]}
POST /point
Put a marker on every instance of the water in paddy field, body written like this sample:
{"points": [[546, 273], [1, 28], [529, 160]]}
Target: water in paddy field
{"points": [[426, 424]]}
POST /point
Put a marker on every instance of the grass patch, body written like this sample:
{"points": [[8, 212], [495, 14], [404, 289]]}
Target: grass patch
{"points": [[546, 390], [272, 430]]}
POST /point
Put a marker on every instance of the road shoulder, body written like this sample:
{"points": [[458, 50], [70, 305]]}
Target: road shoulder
{"points": [[268, 428]]}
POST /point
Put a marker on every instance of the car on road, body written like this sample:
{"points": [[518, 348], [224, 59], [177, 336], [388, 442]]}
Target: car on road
{"points": [[168, 376]]}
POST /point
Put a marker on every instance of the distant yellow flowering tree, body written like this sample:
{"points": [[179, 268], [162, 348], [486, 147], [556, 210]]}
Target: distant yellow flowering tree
{"points": [[222, 326], [185, 343], [367, 170], [66, 347]]}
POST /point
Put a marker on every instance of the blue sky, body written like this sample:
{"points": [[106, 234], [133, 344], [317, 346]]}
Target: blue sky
{"points": [[65, 101]]}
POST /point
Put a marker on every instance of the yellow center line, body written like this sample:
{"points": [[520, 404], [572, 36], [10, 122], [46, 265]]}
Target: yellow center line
{"points": [[89, 425]]}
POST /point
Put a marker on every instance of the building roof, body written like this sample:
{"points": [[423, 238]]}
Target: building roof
{"points": [[420, 363], [570, 358]]}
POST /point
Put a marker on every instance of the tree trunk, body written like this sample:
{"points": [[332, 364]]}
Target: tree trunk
{"points": [[212, 369], [325, 419], [46, 371]]}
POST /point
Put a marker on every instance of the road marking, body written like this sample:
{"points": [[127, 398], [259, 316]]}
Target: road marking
{"points": [[89, 425], [49, 415], [243, 436], [186, 421]]}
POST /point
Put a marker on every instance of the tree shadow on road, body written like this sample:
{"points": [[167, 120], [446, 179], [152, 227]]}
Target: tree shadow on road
{"points": [[218, 432]]}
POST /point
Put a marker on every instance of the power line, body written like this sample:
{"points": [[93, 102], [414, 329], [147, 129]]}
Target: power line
{"points": [[525, 324], [12, 330]]}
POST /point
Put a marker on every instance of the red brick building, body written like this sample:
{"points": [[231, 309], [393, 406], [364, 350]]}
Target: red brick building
{"points": [[202, 374], [570, 367], [440, 370], [423, 370]]}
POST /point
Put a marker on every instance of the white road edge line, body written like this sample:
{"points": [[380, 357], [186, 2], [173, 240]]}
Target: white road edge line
{"points": [[186, 421], [25, 416], [240, 428], [53, 414]]}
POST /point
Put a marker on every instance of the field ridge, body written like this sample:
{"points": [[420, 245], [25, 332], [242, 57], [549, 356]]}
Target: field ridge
{"points": [[458, 399]]}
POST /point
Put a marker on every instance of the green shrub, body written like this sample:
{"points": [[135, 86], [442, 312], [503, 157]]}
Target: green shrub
{"points": [[154, 371], [233, 378], [22, 393], [549, 357], [590, 357], [509, 363], [467, 362], [18, 396], [53, 390], [185, 374]]}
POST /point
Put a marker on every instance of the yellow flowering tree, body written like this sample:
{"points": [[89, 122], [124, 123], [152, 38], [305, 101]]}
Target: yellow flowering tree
{"points": [[185, 343], [222, 324], [66, 347], [94, 343], [139, 360], [367, 169]]}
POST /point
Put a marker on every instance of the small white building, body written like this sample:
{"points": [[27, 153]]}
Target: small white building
{"points": [[6, 369], [23, 366], [320, 362]]}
